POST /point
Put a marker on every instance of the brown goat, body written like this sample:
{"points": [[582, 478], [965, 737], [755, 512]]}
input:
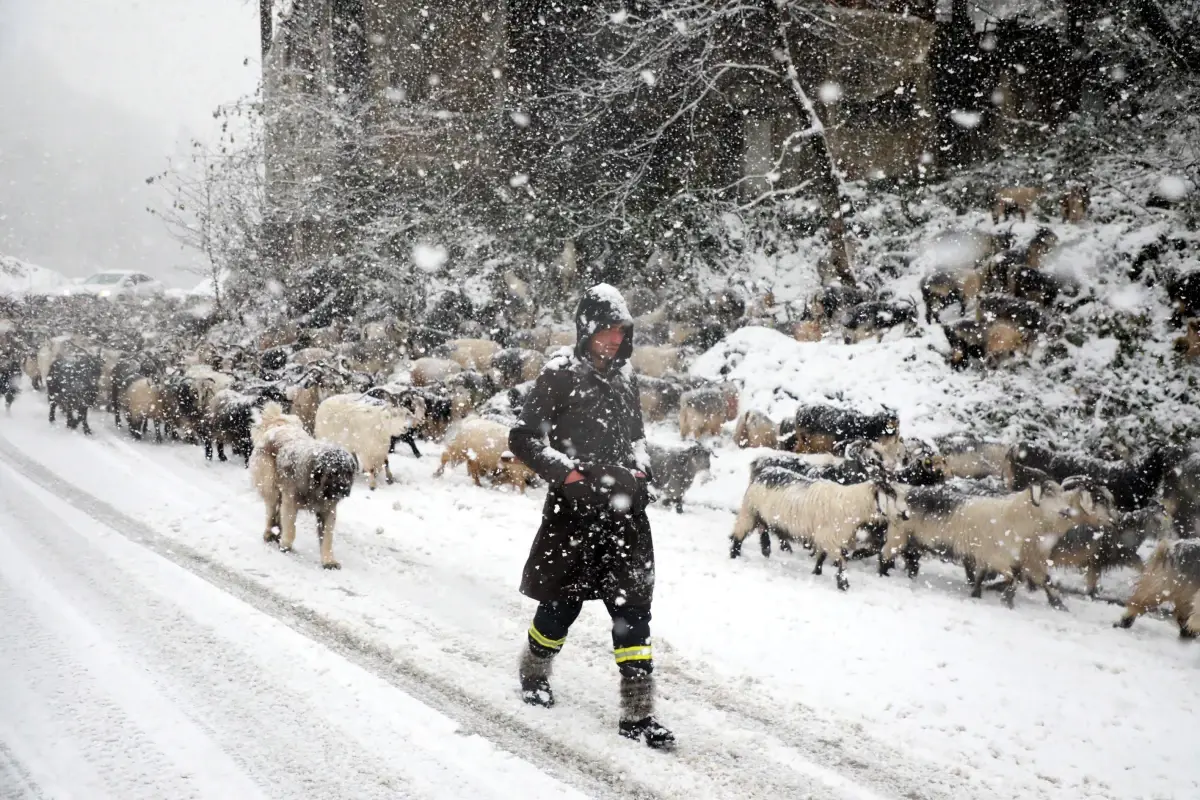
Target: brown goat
{"points": [[1075, 204], [1172, 575], [1015, 200], [1189, 346]]}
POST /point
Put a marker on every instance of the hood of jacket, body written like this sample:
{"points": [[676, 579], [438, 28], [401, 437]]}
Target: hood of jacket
{"points": [[602, 306]]}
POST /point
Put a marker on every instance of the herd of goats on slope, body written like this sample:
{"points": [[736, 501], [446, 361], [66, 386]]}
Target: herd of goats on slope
{"points": [[308, 408]]}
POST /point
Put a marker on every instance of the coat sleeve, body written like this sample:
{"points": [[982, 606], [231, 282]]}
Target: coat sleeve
{"points": [[641, 457], [528, 441]]}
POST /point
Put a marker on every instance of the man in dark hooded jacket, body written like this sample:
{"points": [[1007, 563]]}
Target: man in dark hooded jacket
{"points": [[594, 542]]}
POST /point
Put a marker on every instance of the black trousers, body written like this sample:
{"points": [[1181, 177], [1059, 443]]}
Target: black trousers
{"points": [[630, 633]]}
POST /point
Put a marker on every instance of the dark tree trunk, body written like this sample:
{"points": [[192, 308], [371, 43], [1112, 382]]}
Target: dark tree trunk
{"points": [[264, 28], [827, 184]]}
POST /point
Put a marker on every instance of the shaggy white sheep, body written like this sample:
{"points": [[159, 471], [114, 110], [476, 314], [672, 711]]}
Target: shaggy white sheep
{"points": [[826, 514], [366, 426], [483, 445], [1010, 535]]}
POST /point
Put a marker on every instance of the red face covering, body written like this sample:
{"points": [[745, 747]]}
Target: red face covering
{"points": [[604, 345]]}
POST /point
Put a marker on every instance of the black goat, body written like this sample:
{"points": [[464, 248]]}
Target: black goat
{"points": [[73, 384], [1133, 483]]}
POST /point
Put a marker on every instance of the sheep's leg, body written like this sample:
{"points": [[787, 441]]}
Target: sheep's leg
{"points": [[474, 470], [843, 583], [679, 506], [912, 559], [387, 473], [325, 522], [1183, 610], [764, 543], [977, 584], [208, 449], [287, 521], [221, 451], [51, 412], [1093, 579], [969, 568], [1010, 590], [271, 531], [820, 561], [371, 479], [735, 546], [1146, 595], [785, 544], [442, 466]]}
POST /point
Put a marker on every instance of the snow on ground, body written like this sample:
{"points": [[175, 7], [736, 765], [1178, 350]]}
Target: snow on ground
{"points": [[127, 676], [777, 684], [21, 278], [777, 374]]}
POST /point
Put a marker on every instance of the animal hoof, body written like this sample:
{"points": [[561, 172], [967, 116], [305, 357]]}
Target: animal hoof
{"points": [[331, 565], [284, 549], [270, 536], [1123, 623], [843, 584]]}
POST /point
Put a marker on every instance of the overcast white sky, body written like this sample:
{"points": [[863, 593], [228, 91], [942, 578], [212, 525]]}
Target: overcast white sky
{"points": [[94, 97]]}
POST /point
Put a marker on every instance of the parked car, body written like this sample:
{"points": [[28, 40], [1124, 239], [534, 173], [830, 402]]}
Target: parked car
{"points": [[119, 285]]}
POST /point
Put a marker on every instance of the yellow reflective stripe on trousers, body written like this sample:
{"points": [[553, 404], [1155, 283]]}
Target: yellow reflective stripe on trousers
{"points": [[639, 653], [553, 644]]}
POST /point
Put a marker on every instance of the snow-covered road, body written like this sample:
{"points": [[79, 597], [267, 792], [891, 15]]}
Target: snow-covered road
{"points": [[126, 676], [136, 572]]}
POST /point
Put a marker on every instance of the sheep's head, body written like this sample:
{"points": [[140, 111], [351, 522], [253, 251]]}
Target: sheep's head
{"points": [[1087, 500], [890, 503], [514, 471], [699, 458]]}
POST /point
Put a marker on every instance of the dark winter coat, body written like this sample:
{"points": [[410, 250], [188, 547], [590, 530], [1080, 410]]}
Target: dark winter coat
{"points": [[595, 541]]}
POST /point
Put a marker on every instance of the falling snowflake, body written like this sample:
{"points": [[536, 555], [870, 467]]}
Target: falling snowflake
{"points": [[1173, 188], [966, 119], [429, 258], [520, 119], [829, 92]]}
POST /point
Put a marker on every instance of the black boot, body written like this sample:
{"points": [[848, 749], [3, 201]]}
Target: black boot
{"points": [[637, 713], [535, 680], [648, 730]]}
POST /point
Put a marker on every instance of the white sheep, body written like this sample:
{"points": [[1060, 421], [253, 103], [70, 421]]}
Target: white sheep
{"points": [[483, 445], [655, 361], [473, 354], [702, 412], [365, 426], [826, 514], [756, 429], [143, 403], [428, 371], [1010, 535]]}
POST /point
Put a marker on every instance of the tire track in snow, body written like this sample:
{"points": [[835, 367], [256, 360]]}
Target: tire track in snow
{"points": [[507, 732], [15, 781]]}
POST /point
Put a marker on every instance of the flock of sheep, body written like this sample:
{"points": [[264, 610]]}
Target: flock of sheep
{"points": [[307, 409], [846, 485]]}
